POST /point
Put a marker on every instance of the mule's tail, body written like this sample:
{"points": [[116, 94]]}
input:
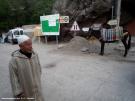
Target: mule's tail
{"points": [[129, 41]]}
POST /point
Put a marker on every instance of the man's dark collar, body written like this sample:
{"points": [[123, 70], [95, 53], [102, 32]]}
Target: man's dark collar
{"points": [[27, 54]]}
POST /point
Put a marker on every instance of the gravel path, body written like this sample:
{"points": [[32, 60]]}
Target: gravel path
{"points": [[75, 76]]}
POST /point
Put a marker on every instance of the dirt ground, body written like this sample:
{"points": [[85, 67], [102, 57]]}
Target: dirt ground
{"points": [[77, 76]]}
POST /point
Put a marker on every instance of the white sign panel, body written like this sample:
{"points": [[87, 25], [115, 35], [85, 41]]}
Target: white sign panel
{"points": [[75, 27], [112, 22], [64, 19], [85, 29]]}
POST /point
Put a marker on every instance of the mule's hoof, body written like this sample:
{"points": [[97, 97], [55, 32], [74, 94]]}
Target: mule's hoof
{"points": [[124, 56], [101, 54]]}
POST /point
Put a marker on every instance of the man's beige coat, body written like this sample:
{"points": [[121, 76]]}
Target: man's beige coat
{"points": [[25, 76]]}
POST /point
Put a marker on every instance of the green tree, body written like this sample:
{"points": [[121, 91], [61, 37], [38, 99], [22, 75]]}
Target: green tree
{"points": [[4, 11], [19, 12]]}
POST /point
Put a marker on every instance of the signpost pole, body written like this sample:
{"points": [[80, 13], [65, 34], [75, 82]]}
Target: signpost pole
{"points": [[112, 11], [46, 39], [57, 41]]}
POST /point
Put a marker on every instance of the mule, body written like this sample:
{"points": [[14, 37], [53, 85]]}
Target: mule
{"points": [[125, 38]]}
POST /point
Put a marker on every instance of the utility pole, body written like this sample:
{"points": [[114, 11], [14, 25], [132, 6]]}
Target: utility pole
{"points": [[112, 12], [118, 12]]}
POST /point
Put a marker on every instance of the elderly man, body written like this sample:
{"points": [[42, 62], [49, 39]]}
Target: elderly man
{"points": [[25, 72]]}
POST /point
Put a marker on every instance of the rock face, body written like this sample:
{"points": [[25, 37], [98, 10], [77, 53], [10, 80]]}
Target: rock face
{"points": [[91, 9], [82, 9], [87, 12]]}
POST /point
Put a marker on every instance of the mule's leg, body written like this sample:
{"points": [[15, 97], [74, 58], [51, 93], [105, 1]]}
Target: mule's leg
{"points": [[125, 45], [129, 41], [102, 47]]}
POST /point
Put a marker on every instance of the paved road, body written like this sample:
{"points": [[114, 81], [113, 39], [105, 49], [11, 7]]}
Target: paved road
{"points": [[71, 77]]}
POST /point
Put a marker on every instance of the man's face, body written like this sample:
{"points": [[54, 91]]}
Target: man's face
{"points": [[26, 46]]}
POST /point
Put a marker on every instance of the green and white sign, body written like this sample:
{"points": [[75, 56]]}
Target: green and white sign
{"points": [[50, 24]]}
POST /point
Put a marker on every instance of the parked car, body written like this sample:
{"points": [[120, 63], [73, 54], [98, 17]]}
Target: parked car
{"points": [[13, 34]]}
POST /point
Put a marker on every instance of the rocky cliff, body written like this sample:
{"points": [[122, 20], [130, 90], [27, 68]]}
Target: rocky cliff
{"points": [[82, 10]]}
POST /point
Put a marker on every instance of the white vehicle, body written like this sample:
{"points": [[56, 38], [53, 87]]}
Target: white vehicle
{"points": [[13, 34]]}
